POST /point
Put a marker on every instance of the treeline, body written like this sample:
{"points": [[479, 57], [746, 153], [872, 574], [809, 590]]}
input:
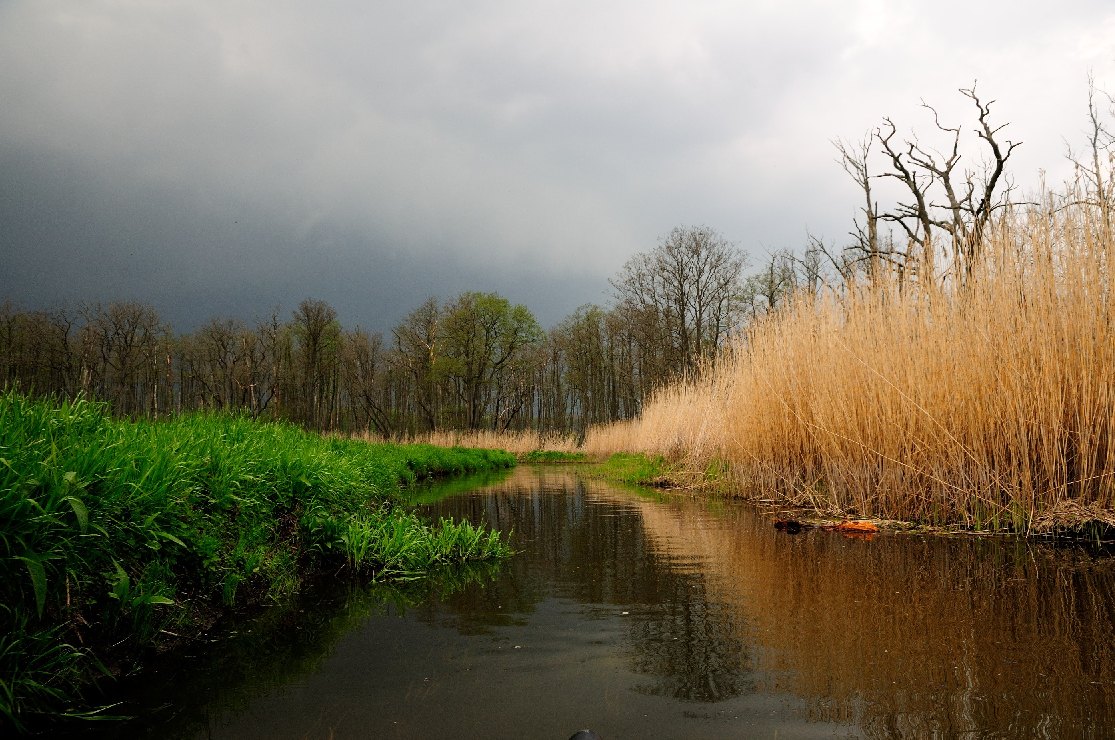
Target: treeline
{"points": [[475, 361]]}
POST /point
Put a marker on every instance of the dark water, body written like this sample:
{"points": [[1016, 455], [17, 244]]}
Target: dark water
{"points": [[670, 617]]}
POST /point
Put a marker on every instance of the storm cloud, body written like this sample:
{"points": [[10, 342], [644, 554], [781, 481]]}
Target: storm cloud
{"points": [[223, 158]]}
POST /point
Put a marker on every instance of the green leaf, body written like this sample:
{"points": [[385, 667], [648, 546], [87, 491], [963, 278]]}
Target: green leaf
{"points": [[172, 538], [80, 511], [38, 581], [123, 584]]}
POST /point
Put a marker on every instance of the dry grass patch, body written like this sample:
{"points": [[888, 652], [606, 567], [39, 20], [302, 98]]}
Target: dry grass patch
{"points": [[517, 443]]}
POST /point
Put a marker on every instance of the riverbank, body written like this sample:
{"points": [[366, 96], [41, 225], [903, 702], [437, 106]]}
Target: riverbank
{"points": [[1092, 526], [121, 538]]}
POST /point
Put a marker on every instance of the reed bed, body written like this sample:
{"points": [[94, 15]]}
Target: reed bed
{"points": [[117, 537], [989, 405]]}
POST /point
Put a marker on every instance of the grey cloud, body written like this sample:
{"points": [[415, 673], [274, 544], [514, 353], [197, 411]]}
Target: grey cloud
{"points": [[235, 155]]}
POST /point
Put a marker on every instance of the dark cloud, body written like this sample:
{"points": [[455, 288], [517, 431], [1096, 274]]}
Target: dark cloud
{"points": [[72, 235], [222, 158]]}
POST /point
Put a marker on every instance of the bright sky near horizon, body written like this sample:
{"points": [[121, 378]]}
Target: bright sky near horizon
{"points": [[219, 158]]}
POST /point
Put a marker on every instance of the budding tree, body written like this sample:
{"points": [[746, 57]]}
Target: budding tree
{"points": [[688, 292]]}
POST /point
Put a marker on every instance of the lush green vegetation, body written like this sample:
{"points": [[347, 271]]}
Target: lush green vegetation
{"points": [[119, 537], [552, 456], [633, 469]]}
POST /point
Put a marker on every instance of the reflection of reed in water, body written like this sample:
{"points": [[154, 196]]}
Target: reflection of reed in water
{"points": [[911, 637]]}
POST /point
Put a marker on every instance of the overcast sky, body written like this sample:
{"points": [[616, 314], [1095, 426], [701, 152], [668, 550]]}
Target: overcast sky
{"points": [[221, 158]]}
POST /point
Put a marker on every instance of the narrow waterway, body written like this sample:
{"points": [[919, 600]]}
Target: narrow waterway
{"points": [[666, 616]]}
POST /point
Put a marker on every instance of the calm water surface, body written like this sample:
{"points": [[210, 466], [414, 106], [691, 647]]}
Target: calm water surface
{"points": [[669, 617]]}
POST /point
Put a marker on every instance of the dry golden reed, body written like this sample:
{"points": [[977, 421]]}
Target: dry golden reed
{"points": [[990, 404], [517, 443]]}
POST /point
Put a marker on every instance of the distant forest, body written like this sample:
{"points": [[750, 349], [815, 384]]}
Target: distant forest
{"points": [[471, 362]]}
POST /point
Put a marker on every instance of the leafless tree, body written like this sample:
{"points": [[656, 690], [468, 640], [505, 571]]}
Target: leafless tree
{"points": [[855, 160], [317, 334], [945, 207], [417, 354], [1096, 171], [121, 348], [367, 382]]}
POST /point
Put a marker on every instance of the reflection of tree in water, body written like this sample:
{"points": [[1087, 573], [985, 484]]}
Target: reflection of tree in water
{"points": [[689, 644], [597, 551]]}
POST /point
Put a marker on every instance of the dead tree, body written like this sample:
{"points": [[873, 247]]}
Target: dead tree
{"points": [[941, 198], [854, 161], [1096, 173]]}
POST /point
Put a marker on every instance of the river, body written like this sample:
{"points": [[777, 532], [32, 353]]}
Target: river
{"points": [[643, 615]]}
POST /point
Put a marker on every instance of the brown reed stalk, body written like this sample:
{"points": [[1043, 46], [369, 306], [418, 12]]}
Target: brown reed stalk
{"points": [[988, 404]]}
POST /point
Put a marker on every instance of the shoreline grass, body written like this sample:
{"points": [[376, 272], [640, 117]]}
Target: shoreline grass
{"points": [[633, 469], [118, 538]]}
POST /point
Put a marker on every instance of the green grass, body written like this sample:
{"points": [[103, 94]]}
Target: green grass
{"points": [[632, 469], [553, 456], [118, 536]]}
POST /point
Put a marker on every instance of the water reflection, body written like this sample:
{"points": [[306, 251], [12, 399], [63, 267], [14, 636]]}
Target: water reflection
{"points": [[669, 616], [184, 695], [900, 636], [907, 636], [590, 543]]}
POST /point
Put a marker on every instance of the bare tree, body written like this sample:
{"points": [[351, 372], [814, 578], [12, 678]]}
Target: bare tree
{"points": [[941, 197], [769, 287], [122, 346], [36, 350], [366, 377], [1096, 172], [318, 336], [219, 357], [854, 159], [417, 353], [869, 251]]}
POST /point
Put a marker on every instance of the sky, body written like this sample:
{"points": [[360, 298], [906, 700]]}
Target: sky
{"points": [[225, 158]]}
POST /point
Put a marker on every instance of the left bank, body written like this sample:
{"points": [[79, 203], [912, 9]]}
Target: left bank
{"points": [[119, 539]]}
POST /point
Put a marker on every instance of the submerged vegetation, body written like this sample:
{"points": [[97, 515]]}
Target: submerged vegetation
{"points": [[119, 537]]}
